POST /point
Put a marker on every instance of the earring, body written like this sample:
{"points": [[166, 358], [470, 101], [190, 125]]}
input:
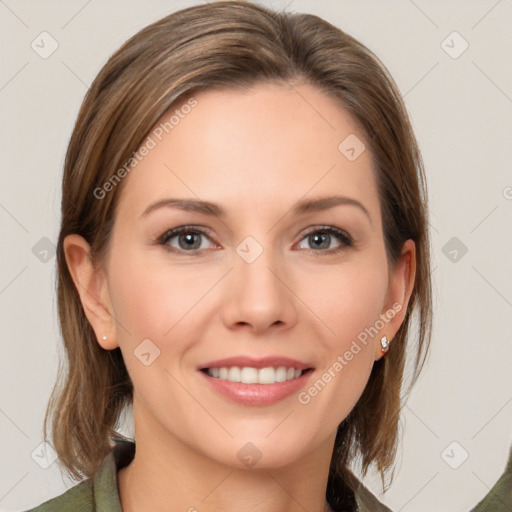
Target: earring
{"points": [[384, 342], [104, 338]]}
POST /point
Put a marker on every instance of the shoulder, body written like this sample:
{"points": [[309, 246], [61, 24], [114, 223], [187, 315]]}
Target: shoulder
{"points": [[499, 498], [79, 498], [97, 493]]}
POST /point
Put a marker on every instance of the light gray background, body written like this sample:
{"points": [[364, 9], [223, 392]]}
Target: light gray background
{"points": [[461, 109]]}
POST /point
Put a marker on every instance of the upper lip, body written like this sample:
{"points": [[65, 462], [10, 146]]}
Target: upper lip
{"points": [[256, 362]]}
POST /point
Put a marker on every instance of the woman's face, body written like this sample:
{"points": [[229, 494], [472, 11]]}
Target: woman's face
{"points": [[268, 277]]}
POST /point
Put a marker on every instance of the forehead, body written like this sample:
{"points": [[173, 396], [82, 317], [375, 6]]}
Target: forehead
{"points": [[253, 149]]}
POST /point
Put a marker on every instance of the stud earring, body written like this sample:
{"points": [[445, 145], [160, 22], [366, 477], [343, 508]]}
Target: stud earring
{"points": [[384, 342], [104, 338]]}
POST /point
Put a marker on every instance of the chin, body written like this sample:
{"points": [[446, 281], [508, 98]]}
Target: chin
{"points": [[259, 453]]}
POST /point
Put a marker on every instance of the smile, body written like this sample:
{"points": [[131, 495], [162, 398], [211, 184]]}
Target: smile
{"points": [[250, 375]]}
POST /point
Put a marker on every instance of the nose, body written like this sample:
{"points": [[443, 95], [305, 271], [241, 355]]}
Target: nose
{"points": [[259, 295]]}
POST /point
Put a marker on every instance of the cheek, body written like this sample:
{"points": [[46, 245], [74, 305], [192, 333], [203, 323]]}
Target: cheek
{"points": [[349, 302], [152, 297], [348, 299], [160, 303]]}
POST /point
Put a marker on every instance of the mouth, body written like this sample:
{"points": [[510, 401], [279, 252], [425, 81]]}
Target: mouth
{"points": [[253, 375], [250, 386], [253, 381]]}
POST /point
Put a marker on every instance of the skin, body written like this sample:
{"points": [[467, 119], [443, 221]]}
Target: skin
{"points": [[255, 153]]}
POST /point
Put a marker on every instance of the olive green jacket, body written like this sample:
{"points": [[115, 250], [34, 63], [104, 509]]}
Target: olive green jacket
{"points": [[100, 493], [499, 498]]}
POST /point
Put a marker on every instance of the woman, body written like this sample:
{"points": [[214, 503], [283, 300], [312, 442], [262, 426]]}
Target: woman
{"points": [[244, 241]]}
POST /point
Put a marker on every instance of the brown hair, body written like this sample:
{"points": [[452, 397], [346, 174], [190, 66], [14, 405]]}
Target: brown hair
{"points": [[231, 45]]}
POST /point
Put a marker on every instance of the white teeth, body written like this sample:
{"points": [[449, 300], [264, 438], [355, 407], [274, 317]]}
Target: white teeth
{"points": [[266, 376], [234, 374], [248, 375], [281, 374]]}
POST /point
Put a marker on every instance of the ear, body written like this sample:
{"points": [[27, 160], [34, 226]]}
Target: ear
{"points": [[401, 285], [92, 287]]}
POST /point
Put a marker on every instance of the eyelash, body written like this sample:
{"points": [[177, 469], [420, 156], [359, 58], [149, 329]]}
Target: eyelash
{"points": [[344, 238]]}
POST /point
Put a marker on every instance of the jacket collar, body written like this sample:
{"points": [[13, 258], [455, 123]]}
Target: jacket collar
{"points": [[105, 479]]}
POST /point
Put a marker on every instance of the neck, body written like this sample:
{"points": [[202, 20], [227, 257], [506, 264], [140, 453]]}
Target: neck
{"points": [[167, 475]]}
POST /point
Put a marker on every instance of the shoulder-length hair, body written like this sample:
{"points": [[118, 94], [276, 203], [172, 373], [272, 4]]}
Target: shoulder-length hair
{"points": [[231, 45]]}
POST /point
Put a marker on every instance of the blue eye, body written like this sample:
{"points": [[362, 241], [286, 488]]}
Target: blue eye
{"points": [[188, 238], [321, 239], [192, 240]]}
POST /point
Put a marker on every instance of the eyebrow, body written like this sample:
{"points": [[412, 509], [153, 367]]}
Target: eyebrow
{"points": [[208, 208]]}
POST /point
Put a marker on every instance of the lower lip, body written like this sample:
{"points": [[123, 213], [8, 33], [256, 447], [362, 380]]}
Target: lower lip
{"points": [[257, 394]]}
